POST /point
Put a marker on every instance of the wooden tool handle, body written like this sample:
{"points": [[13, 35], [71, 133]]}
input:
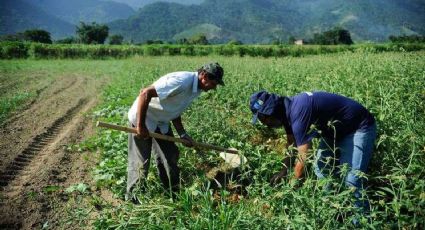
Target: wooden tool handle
{"points": [[164, 137]]}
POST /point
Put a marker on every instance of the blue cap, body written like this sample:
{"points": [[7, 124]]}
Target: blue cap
{"points": [[264, 103]]}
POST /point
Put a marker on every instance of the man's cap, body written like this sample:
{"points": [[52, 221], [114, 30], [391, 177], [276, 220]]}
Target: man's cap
{"points": [[215, 71], [264, 103]]}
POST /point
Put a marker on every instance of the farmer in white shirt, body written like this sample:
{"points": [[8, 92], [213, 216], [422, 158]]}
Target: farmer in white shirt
{"points": [[154, 108]]}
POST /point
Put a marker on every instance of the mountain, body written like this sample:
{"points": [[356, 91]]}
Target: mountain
{"points": [[260, 21], [250, 21], [59, 17], [84, 10], [167, 20], [136, 4], [17, 16], [366, 19]]}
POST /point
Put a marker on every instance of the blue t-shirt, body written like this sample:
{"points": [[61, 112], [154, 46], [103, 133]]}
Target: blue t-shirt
{"points": [[332, 115]]}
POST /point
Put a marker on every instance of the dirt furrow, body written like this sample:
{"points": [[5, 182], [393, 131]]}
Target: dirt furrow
{"points": [[42, 164], [36, 166], [48, 106], [38, 143]]}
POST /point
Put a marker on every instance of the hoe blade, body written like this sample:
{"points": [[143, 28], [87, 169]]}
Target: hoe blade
{"points": [[234, 160]]}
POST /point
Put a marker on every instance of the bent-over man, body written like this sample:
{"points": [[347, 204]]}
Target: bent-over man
{"points": [[346, 128], [153, 110]]}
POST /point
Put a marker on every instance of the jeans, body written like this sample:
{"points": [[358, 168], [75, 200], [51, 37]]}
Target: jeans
{"points": [[355, 150]]}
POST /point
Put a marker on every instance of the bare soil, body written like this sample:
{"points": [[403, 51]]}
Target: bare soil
{"points": [[36, 163]]}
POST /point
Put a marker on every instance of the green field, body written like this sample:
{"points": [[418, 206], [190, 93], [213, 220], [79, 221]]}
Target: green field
{"points": [[391, 85]]}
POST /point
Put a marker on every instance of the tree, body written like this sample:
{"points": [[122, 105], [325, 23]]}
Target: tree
{"points": [[92, 33], [182, 41], [68, 40], [234, 42], [291, 40], [151, 42], [333, 37], [116, 39], [199, 39], [276, 41], [36, 35], [407, 38], [12, 37], [344, 37]]}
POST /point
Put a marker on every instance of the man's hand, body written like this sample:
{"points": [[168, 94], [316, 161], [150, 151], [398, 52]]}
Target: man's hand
{"points": [[299, 170], [142, 132], [277, 177], [187, 140]]}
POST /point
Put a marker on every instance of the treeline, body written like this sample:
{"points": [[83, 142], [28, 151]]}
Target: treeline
{"points": [[9, 50], [86, 33], [98, 33], [335, 36], [94, 33], [408, 39]]}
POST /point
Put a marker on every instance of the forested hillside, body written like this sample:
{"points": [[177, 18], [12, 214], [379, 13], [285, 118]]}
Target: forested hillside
{"points": [[254, 21]]}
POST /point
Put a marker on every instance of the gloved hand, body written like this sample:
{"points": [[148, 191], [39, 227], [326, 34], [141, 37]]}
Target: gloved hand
{"points": [[188, 141], [277, 177], [142, 132]]}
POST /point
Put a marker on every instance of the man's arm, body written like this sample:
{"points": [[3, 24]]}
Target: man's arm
{"points": [[290, 140], [177, 122], [145, 97], [302, 157], [276, 178]]}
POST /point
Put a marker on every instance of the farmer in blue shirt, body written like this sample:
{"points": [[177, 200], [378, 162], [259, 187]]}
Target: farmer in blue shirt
{"points": [[347, 131]]}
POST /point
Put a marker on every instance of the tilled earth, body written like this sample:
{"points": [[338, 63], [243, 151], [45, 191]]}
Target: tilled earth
{"points": [[34, 155]]}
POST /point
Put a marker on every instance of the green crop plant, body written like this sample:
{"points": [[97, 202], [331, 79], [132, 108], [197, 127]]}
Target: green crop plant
{"points": [[11, 103]]}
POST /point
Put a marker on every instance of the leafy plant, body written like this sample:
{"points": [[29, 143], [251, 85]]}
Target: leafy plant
{"points": [[81, 188]]}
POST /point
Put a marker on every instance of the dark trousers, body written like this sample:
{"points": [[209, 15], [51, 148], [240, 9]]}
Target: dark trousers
{"points": [[139, 154]]}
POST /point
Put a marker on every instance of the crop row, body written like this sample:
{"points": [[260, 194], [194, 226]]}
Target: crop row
{"points": [[9, 50]]}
